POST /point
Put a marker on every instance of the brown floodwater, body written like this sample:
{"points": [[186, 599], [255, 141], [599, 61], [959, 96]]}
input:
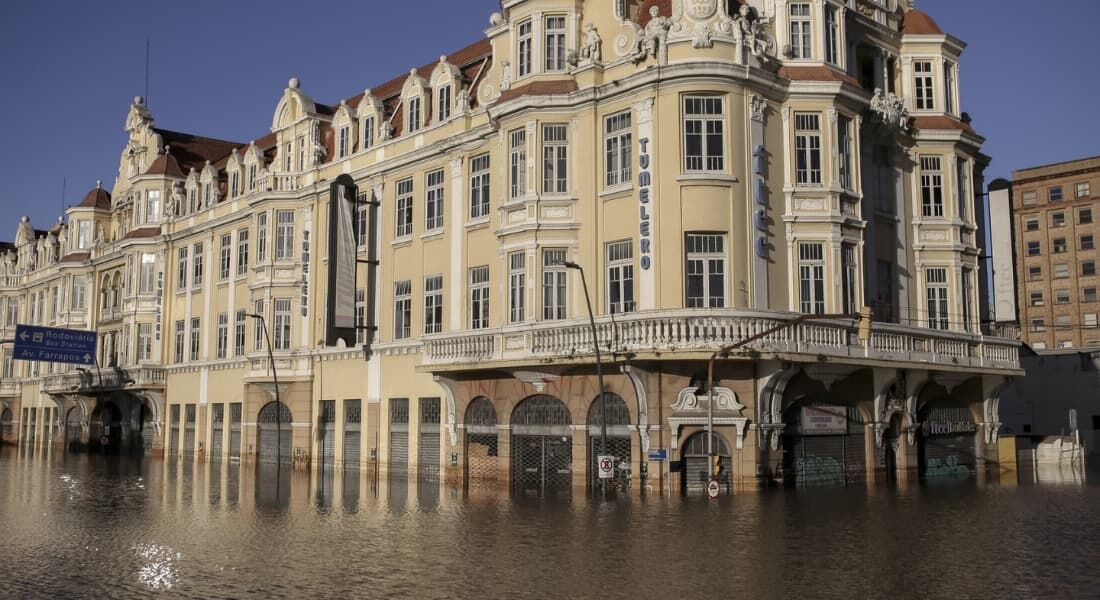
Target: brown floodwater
{"points": [[94, 526]]}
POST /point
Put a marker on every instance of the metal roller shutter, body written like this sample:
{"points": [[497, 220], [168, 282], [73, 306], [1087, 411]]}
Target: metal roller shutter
{"points": [[399, 435], [326, 428], [189, 431], [217, 428], [174, 430], [352, 433], [235, 430], [428, 448], [275, 434], [948, 446]]}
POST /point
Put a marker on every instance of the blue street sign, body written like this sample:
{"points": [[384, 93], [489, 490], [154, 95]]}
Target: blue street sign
{"points": [[50, 344], [658, 455]]}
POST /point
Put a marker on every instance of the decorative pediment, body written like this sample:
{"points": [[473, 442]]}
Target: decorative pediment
{"points": [[414, 85], [294, 106], [344, 114], [369, 104], [234, 161], [725, 400], [444, 73]]}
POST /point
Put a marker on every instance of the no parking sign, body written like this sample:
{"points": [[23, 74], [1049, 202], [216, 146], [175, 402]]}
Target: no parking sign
{"points": [[713, 489], [606, 465]]}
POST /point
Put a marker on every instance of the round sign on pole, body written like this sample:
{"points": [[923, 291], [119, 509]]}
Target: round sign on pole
{"points": [[713, 489], [606, 466]]}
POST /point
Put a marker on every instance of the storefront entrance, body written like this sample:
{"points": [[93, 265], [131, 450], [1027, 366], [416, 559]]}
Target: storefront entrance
{"points": [[275, 434], [542, 447]]}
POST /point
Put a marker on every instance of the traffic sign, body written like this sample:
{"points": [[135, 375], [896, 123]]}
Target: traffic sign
{"points": [[713, 489], [607, 466], [51, 344], [658, 455]]}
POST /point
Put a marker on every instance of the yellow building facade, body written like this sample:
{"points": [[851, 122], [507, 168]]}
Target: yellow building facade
{"points": [[715, 170]]}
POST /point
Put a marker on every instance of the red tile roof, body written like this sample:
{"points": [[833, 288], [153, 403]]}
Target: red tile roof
{"points": [[97, 198], [935, 122], [166, 164], [192, 151], [142, 233], [75, 257], [917, 22], [540, 88], [816, 74]]}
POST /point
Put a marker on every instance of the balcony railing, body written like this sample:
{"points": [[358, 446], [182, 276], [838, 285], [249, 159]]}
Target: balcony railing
{"points": [[10, 387], [92, 380], [707, 331], [279, 182]]}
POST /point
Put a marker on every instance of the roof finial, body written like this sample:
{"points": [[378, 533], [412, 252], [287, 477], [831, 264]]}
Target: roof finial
{"points": [[98, 184], [167, 149], [293, 83]]}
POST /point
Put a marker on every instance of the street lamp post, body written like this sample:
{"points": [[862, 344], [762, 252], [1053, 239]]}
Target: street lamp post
{"points": [[275, 379], [599, 365]]}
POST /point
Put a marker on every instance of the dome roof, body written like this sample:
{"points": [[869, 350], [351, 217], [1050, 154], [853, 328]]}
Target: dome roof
{"points": [[917, 22], [97, 198]]}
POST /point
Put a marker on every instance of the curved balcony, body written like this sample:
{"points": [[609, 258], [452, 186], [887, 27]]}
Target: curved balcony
{"points": [[706, 331], [90, 381]]}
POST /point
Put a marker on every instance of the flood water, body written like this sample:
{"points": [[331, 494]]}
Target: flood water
{"points": [[93, 526]]}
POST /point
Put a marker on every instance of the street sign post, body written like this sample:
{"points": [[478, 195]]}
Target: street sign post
{"points": [[607, 466], [51, 344]]}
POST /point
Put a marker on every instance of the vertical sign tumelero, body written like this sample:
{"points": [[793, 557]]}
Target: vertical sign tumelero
{"points": [[340, 314], [647, 206]]}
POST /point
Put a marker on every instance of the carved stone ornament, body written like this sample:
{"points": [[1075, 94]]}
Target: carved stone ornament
{"points": [[890, 109], [751, 32], [724, 400], [654, 39], [592, 48], [505, 75], [385, 131], [319, 151], [700, 9], [759, 106]]}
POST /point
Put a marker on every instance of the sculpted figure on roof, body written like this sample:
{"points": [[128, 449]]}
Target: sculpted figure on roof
{"points": [[593, 45], [891, 109], [751, 32], [654, 37]]}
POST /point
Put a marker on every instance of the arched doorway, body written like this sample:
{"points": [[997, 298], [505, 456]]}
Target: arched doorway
{"points": [[695, 456], [74, 429], [274, 436], [5, 426], [891, 447], [824, 443], [618, 439], [542, 447], [482, 448], [947, 444], [106, 429]]}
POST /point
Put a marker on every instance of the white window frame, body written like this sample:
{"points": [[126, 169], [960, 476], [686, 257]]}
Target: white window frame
{"points": [[222, 347], [402, 309], [343, 146], [281, 331], [196, 265], [434, 200], [433, 304], [849, 273], [479, 297], [936, 294], [240, 334], [801, 30], [261, 237], [517, 287], [705, 260], [931, 186], [480, 181], [807, 148], [832, 35], [517, 163], [524, 47], [618, 149], [147, 275], [284, 234], [924, 85], [554, 28], [619, 259], [196, 330], [413, 106], [811, 278], [555, 287], [368, 132], [403, 215], [704, 124], [225, 253], [555, 158], [845, 151], [242, 251]]}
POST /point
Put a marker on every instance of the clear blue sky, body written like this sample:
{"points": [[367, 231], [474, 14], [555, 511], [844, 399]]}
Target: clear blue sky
{"points": [[70, 70]]}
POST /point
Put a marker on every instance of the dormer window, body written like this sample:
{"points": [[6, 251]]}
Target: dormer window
{"points": [[234, 184], [801, 39], [207, 196], [193, 200], [414, 114], [251, 177], [555, 43], [368, 132], [301, 153], [344, 141], [922, 72], [524, 49], [288, 151], [444, 111]]}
